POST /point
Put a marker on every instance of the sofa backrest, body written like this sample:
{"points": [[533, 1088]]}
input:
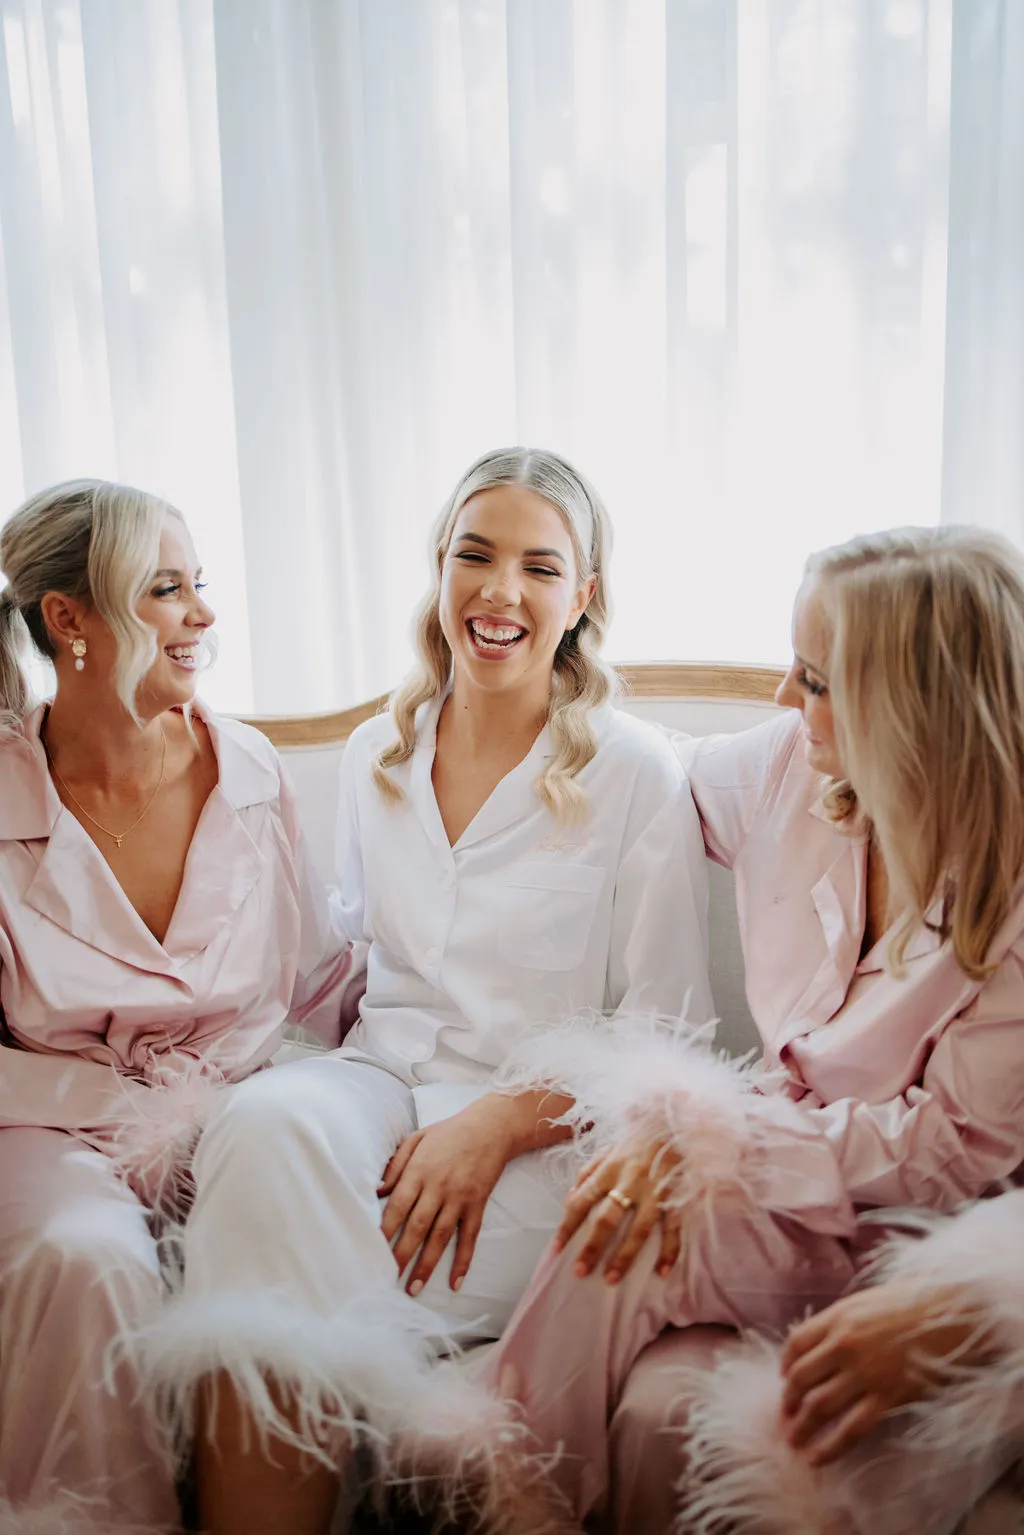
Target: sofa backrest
{"points": [[700, 700]]}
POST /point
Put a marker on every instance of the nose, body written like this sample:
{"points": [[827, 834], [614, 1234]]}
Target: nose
{"points": [[501, 586], [201, 615], [788, 694]]}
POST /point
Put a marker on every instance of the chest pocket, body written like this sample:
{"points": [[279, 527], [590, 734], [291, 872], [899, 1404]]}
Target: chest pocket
{"points": [[549, 912]]}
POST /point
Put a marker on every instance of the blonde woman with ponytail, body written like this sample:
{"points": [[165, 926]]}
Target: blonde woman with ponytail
{"points": [[876, 831], [160, 925], [514, 850]]}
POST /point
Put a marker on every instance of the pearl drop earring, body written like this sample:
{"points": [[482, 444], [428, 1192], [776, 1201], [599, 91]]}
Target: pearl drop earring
{"points": [[78, 650]]}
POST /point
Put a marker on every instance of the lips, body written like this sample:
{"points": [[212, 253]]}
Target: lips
{"points": [[492, 638]]}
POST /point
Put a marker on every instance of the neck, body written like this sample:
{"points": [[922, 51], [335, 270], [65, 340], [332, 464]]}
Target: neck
{"points": [[481, 720], [99, 742]]}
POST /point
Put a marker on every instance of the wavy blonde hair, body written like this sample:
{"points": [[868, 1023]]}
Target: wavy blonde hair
{"points": [[582, 680], [88, 539], [926, 675]]}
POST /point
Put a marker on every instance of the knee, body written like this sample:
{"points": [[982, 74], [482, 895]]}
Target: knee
{"points": [[662, 1385], [267, 1117], [653, 1400], [255, 1123], [75, 1265]]}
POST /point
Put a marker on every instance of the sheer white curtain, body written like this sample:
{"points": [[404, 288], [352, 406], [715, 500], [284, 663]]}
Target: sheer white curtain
{"points": [[756, 265]]}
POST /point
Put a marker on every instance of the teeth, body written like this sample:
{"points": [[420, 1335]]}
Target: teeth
{"points": [[496, 634]]}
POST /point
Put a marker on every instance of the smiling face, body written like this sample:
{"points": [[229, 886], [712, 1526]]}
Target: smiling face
{"points": [[510, 589], [805, 685], [172, 607]]}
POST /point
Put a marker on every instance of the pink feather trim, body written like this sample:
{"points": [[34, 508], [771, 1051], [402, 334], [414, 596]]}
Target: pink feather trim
{"points": [[741, 1474], [980, 1251], [69, 1514], [151, 1130], [642, 1076], [920, 1470], [739, 1138], [743, 1478], [975, 1420]]}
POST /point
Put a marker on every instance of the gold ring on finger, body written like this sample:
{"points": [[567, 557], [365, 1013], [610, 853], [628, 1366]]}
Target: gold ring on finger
{"points": [[622, 1200]]}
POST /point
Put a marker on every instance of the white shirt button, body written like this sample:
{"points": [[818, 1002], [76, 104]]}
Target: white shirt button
{"points": [[432, 956]]}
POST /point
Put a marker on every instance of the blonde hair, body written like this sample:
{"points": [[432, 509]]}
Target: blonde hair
{"points": [[87, 539], [581, 682], [927, 682]]}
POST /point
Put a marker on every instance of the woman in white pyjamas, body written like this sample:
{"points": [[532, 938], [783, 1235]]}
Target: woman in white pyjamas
{"points": [[515, 851]]}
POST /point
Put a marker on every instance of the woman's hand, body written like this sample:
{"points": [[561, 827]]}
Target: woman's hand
{"points": [[868, 1354], [440, 1179], [636, 1170]]}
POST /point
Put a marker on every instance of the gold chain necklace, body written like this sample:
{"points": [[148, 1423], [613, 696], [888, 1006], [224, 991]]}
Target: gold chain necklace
{"points": [[116, 838]]}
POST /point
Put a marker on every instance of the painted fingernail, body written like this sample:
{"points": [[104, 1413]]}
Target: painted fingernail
{"points": [[665, 1270], [557, 1244], [457, 1283], [416, 1287], [580, 1270], [612, 1277]]}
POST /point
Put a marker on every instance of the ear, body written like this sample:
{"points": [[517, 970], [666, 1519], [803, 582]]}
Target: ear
{"points": [[64, 617], [579, 607]]}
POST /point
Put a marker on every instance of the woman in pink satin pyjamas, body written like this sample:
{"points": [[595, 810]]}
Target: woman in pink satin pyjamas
{"points": [[160, 924], [876, 833]]}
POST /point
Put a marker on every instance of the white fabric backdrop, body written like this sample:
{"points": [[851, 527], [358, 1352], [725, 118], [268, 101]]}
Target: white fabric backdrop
{"points": [[757, 265]]}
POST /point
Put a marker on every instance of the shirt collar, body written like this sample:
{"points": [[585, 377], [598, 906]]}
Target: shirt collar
{"points": [[29, 805]]}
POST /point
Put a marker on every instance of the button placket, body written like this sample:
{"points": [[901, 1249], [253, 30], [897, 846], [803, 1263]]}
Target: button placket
{"points": [[433, 954]]}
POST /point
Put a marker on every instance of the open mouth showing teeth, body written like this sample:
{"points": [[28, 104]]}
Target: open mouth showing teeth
{"points": [[494, 638], [183, 655]]}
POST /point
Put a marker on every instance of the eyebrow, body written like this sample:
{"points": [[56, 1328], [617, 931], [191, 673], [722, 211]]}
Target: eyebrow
{"points": [[488, 543], [176, 574]]}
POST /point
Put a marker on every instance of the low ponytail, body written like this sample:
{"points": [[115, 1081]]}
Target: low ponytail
{"points": [[91, 540], [15, 698]]}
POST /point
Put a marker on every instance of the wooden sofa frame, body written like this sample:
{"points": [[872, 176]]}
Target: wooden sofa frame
{"points": [[652, 679]]}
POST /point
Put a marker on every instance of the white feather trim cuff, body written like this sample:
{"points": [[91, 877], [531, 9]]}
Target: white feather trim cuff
{"points": [[368, 1377]]}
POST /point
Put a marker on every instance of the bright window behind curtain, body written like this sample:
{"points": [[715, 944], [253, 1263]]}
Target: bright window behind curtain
{"points": [[754, 264]]}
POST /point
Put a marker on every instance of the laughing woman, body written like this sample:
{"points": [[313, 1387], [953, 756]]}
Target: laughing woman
{"points": [[159, 926], [876, 831], [514, 850]]}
